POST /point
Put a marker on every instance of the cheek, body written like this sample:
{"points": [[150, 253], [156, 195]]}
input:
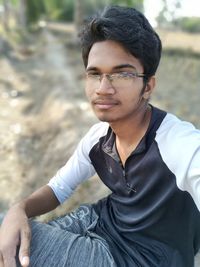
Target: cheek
{"points": [[88, 93], [130, 95]]}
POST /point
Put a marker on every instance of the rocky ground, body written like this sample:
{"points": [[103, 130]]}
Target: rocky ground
{"points": [[43, 111]]}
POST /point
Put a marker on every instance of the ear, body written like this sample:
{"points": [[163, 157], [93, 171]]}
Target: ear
{"points": [[149, 87]]}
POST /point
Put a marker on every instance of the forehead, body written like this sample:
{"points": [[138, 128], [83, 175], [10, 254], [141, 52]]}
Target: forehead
{"points": [[108, 54]]}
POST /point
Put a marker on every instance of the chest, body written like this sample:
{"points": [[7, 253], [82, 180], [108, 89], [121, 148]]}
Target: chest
{"points": [[144, 172]]}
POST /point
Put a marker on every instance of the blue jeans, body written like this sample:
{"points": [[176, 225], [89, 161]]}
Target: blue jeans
{"points": [[69, 242]]}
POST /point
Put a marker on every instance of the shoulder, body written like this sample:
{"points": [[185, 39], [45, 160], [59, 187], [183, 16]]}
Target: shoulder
{"points": [[175, 131], [97, 131]]}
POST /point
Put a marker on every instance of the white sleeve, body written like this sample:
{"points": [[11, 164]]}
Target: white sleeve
{"points": [[179, 145], [193, 177], [79, 167]]}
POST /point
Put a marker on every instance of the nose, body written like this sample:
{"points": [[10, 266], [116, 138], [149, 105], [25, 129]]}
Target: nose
{"points": [[105, 86]]}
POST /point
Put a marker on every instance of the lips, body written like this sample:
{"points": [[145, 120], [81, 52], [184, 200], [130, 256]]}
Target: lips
{"points": [[104, 104]]}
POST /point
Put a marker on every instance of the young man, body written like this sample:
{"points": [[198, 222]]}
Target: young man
{"points": [[148, 158]]}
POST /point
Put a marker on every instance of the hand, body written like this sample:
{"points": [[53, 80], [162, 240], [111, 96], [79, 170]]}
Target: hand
{"points": [[14, 232]]}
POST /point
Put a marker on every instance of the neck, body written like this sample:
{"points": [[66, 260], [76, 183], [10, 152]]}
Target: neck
{"points": [[129, 133], [128, 130]]}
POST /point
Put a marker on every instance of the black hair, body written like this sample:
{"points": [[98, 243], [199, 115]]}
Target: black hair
{"points": [[130, 28]]}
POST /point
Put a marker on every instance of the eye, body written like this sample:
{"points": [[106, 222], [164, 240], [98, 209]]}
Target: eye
{"points": [[124, 75], [90, 74], [93, 75]]}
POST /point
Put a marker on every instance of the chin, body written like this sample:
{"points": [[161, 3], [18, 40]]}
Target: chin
{"points": [[106, 119]]}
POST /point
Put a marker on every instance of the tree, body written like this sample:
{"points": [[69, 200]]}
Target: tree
{"points": [[22, 19], [34, 10], [6, 16], [168, 13], [161, 18], [175, 8], [78, 14]]}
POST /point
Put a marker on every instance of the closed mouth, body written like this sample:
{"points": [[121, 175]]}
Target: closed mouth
{"points": [[104, 104]]}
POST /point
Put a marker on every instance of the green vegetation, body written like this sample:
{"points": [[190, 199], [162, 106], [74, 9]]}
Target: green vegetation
{"points": [[62, 10], [26, 13], [188, 24]]}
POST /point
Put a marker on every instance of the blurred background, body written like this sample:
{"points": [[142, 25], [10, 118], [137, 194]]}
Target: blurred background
{"points": [[43, 109]]}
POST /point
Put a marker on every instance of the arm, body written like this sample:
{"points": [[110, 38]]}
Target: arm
{"points": [[15, 228], [41, 201]]}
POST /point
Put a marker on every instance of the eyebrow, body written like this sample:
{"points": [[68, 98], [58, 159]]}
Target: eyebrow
{"points": [[118, 67], [123, 66]]}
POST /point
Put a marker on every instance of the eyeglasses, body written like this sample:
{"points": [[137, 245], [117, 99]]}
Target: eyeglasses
{"points": [[118, 80]]}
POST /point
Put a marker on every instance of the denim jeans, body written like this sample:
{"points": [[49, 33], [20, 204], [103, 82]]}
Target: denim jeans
{"points": [[69, 242]]}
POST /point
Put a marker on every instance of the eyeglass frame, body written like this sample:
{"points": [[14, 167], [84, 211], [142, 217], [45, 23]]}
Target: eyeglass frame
{"points": [[110, 76]]}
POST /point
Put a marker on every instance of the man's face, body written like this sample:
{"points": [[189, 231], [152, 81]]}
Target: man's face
{"points": [[110, 102]]}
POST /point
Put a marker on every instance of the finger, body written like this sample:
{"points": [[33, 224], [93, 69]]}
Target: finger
{"points": [[24, 247], [25, 261]]}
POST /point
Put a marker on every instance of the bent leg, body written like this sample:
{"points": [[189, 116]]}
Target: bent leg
{"points": [[68, 242], [81, 220]]}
